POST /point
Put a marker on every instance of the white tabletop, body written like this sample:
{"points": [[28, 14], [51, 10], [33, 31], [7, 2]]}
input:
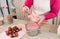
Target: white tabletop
{"points": [[42, 35], [44, 31]]}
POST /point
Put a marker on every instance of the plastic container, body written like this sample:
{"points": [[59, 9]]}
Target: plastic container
{"points": [[10, 19], [32, 29]]}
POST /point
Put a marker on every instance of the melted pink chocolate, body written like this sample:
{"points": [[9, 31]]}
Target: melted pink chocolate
{"points": [[32, 26]]}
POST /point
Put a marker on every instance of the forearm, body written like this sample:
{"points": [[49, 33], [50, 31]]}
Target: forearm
{"points": [[55, 7], [50, 15]]}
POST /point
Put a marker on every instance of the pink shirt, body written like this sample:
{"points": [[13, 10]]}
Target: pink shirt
{"points": [[54, 5]]}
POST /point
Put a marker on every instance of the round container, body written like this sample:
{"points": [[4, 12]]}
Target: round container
{"points": [[32, 29]]}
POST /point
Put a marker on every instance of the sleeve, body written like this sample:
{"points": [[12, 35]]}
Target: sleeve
{"points": [[28, 3], [54, 10]]}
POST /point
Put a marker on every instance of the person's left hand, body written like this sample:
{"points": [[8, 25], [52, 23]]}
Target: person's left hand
{"points": [[38, 19], [42, 20], [33, 17]]}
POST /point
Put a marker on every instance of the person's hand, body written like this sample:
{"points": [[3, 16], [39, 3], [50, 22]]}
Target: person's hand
{"points": [[34, 17], [25, 10], [4, 6], [42, 20]]}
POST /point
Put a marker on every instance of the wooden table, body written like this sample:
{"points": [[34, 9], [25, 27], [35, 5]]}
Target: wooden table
{"points": [[44, 31]]}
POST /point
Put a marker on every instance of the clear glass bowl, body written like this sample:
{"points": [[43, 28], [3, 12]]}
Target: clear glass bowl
{"points": [[34, 30]]}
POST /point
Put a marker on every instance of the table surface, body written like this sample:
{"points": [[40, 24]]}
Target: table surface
{"points": [[44, 31]]}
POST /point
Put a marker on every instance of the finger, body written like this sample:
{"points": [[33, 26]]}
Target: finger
{"points": [[34, 14], [44, 22], [29, 16], [40, 21], [35, 17], [24, 10]]}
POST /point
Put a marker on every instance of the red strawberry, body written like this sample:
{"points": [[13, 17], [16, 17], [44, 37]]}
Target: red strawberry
{"points": [[9, 29]]}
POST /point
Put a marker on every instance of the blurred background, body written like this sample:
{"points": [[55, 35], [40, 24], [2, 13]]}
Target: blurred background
{"points": [[15, 9]]}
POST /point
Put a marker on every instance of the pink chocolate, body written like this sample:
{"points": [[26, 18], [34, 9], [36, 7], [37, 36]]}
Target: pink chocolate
{"points": [[32, 26]]}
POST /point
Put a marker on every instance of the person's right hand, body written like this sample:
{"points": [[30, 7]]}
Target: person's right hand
{"points": [[25, 10]]}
